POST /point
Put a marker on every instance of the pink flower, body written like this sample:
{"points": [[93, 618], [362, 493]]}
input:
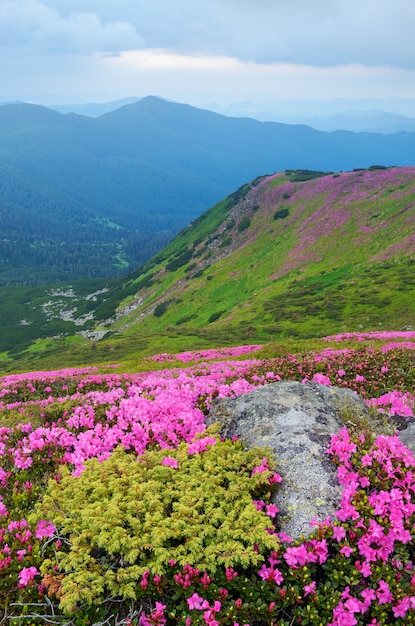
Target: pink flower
{"points": [[275, 478], [338, 533], [366, 569], [26, 576], [195, 602], [144, 579], [311, 588], [321, 379], [367, 460], [401, 609], [230, 574], [44, 529], [269, 573], [299, 556], [383, 593], [205, 580], [260, 469], [346, 550], [20, 554], [368, 596], [320, 550], [272, 510], [200, 445], [170, 462]]}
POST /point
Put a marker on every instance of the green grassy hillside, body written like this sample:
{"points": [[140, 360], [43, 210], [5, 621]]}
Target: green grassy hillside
{"points": [[288, 256]]}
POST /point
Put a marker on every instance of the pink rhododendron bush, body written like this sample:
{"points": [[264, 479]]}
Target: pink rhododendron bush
{"points": [[116, 507]]}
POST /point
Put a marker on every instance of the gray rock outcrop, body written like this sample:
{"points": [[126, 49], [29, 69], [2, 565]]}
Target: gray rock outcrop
{"points": [[406, 430], [296, 421]]}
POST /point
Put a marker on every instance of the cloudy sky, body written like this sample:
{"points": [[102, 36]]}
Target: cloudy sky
{"points": [[205, 51]]}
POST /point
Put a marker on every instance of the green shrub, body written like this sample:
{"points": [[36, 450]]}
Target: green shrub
{"points": [[186, 318], [215, 316], [179, 260], [280, 214], [244, 224], [160, 309], [197, 274], [122, 518], [226, 242], [302, 175]]}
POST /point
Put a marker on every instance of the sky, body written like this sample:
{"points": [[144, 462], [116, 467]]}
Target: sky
{"points": [[211, 51]]}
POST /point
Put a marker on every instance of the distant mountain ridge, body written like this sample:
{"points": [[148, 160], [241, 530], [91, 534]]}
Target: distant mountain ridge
{"points": [[93, 109], [351, 120], [132, 178], [296, 254], [375, 116]]}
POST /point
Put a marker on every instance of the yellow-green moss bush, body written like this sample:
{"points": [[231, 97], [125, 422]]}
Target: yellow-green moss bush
{"points": [[125, 515]]}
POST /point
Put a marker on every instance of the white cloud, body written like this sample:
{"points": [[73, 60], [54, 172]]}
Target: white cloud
{"points": [[30, 26], [226, 79], [188, 49], [311, 32]]}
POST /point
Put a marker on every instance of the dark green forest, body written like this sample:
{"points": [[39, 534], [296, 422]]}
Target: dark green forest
{"points": [[46, 238]]}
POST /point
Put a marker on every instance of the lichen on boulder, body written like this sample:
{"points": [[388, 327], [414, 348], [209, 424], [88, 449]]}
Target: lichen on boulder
{"points": [[296, 421]]}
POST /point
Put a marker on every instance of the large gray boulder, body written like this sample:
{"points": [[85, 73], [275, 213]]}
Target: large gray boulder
{"points": [[296, 421]]}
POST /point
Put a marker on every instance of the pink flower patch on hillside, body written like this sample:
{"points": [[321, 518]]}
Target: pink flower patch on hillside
{"points": [[201, 355], [372, 335], [395, 402]]}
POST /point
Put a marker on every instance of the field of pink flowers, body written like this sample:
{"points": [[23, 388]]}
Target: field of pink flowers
{"points": [[356, 569]]}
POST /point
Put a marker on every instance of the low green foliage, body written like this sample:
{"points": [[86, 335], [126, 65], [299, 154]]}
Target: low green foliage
{"points": [[179, 260], [121, 518], [226, 242], [215, 316], [302, 175], [185, 319], [160, 309], [281, 213], [244, 224]]}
